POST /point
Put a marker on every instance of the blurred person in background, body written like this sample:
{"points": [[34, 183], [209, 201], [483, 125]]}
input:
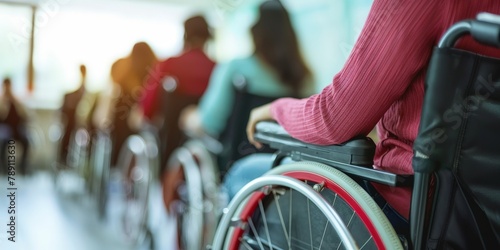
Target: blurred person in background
{"points": [[128, 75], [13, 122], [275, 69], [191, 70], [69, 112]]}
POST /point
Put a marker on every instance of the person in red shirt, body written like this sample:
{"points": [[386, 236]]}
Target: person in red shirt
{"points": [[192, 70], [381, 84]]}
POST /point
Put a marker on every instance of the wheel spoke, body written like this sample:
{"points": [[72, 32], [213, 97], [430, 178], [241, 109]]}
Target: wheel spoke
{"points": [[247, 246], [340, 244], [252, 227], [309, 219], [261, 207], [281, 219], [326, 224], [323, 236], [290, 220], [350, 219], [366, 242]]}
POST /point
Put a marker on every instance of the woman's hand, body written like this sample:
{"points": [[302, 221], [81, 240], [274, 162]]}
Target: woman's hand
{"points": [[258, 114]]}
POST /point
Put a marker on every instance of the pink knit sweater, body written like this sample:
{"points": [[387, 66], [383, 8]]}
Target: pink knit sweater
{"points": [[382, 83]]}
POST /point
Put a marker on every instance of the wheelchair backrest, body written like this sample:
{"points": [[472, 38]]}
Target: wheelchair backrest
{"points": [[234, 138], [171, 103], [459, 139]]}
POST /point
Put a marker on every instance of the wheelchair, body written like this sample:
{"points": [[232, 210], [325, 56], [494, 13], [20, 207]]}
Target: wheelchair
{"points": [[87, 164], [318, 203], [80, 139]]}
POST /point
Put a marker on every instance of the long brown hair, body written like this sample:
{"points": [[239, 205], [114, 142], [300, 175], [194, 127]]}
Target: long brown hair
{"points": [[276, 43], [143, 58], [130, 72]]}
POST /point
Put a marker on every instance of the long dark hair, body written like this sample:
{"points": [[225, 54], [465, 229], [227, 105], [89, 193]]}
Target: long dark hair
{"points": [[143, 59], [276, 43]]}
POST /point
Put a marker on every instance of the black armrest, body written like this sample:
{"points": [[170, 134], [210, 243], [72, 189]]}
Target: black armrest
{"points": [[353, 157], [357, 152]]}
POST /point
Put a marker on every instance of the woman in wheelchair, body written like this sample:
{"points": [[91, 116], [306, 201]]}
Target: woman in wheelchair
{"points": [[382, 85]]}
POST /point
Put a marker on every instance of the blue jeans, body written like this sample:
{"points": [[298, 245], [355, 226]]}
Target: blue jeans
{"points": [[253, 166], [246, 170], [400, 224]]}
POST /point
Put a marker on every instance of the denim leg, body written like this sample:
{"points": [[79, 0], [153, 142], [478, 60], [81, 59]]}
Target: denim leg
{"points": [[245, 170], [400, 224]]}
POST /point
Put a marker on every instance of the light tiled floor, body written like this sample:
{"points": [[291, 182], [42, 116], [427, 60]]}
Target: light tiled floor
{"points": [[48, 221]]}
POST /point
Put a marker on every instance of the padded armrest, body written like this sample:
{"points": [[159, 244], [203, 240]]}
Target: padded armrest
{"points": [[356, 152], [354, 157]]}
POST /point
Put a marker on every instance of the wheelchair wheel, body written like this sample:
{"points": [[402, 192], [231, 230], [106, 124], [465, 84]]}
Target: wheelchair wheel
{"points": [[198, 195], [278, 213], [189, 206], [137, 178], [210, 188]]}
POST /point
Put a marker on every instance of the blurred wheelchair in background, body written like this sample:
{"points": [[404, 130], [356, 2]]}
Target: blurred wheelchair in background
{"points": [[86, 167], [122, 191], [319, 204]]}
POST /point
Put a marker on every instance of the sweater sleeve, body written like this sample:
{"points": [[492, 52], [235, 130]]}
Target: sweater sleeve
{"points": [[393, 48]]}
